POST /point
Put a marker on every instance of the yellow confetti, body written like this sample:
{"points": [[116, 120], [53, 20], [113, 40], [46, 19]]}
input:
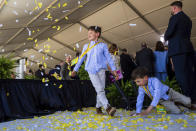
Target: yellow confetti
{"points": [[80, 6], [33, 31], [38, 30], [35, 40], [5, 2], [58, 28], [8, 94], [40, 4], [48, 39], [53, 7], [36, 45], [74, 49], [43, 80], [54, 51], [59, 5], [54, 27], [45, 65], [65, 4], [43, 57], [47, 51], [47, 10], [29, 38], [66, 18], [60, 86], [49, 16], [56, 20], [36, 7]]}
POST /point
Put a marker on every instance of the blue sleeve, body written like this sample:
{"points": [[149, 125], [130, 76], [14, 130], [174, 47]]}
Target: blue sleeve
{"points": [[171, 28], [140, 99], [157, 92], [80, 61], [109, 58]]}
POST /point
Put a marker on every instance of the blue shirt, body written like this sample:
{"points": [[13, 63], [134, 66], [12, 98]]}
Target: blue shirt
{"points": [[97, 58], [157, 90], [160, 61]]}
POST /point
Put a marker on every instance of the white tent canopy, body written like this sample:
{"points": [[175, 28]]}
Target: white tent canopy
{"points": [[48, 30]]}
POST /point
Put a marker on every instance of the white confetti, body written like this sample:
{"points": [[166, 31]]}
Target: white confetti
{"points": [[51, 58], [1, 25], [77, 45], [46, 58], [45, 18], [17, 20], [31, 63], [132, 24], [14, 2], [25, 50], [16, 13], [65, 11], [46, 84], [29, 31], [30, 13], [40, 50], [3, 50], [79, 2], [27, 4], [65, 54], [32, 56], [80, 30], [24, 43], [26, 11]]}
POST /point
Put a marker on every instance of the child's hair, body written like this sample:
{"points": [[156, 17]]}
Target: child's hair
{"points": [[97, 29], [113, 48], [139, 72]]}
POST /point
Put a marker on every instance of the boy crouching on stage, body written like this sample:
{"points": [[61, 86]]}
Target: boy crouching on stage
{"points": [[96, 63], [158, 92]]}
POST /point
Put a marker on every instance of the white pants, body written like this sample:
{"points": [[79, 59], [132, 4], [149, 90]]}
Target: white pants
{"points": [[98, 81]]}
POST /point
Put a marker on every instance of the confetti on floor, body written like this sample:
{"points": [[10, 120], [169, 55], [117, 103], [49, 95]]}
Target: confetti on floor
{"points": [[88, 120]]}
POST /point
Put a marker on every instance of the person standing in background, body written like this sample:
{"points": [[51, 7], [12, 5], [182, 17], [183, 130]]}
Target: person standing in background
{"points": [[160, 61], [66, 69], [127, 65], [180, 49], [145, 58]]}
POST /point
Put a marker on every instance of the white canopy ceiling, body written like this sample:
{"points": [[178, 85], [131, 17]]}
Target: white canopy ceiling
{"points": [[48, 30]]}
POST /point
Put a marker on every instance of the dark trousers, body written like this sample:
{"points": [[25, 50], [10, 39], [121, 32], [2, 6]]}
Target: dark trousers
{"points": [[184, 71]]}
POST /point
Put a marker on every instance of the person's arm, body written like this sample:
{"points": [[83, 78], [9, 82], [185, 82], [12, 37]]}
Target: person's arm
{"points": [[171, 28], [110, 61], [140, 100], [80, 61], [157, 95]]}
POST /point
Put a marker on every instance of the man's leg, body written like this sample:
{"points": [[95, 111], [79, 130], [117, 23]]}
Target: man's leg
{"points": [[179, 98], [182, 76], [170, 107]]}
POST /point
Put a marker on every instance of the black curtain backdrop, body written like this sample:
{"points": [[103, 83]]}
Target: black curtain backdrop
{"points": [[29, 98]]}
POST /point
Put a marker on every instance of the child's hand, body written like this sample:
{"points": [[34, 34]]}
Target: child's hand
{"points": [[116, 75], [73, 74], [147, 111]]}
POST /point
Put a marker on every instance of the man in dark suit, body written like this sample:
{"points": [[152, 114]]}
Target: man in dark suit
{"points": [[40, 73], [127, 65], [145, 58], [180, 49]]}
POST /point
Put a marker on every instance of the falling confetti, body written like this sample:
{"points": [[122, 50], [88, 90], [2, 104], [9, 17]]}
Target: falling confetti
{"points": [[65, 11], [15, 12], [17, 20], [1, 25], [65, 4], [80, 30], [77, 45], [66, 18]]}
